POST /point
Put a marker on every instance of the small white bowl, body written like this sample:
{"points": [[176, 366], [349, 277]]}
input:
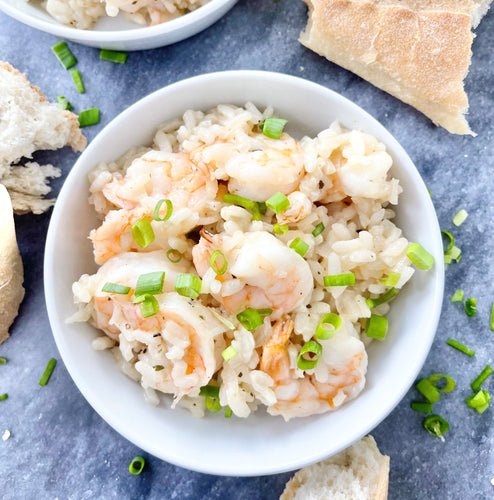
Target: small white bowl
{"points": [[118, 33], [260, 444]]}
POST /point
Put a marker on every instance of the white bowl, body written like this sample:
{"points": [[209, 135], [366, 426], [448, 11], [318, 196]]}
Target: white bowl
{"points": [[260, 444], [118, 33]]}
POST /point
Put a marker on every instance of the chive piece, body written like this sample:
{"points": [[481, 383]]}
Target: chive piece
{"points": [[377, 327], [218, 262], [300, 246], [436, 425], [211, 391], [442, 382], [3, 360], [309, 355], [229, 353], [482, 377], [420, 256], [383, 298], [174, 255], [479, 401], [149, 304], [421, 406], [188, 285], [158, 368], [391, 279], [64, 55], [451, 241], [278, 203], [280, 229], [213, 404], [345, 279], [273, 127], [64, 103], [460, 217], [318, 230], [151, 283], [453, 255], [327, 326], [45, 378], [113, 56], [110, 287], [428, 390], [461, 347], [77, 79], [251, 319], [263, 208], [228, 412], [458, 296], [89, 117], [137, 466], [471, 307], [157, 208], [142, 232], [492, 318], [4, 396], [250, 205]]}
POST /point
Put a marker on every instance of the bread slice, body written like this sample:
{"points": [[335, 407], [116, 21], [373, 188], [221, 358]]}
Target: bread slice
{"points": [[28, 123], [417, 50], [11, 270], [360, 472]]}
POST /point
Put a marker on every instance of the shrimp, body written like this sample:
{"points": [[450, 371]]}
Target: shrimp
{"points": [[300, 207], [271, 275], [338, 377]]}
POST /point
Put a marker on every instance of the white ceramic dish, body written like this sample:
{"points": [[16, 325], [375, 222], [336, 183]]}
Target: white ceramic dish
{"points": [[118, 33], [260, 444]]}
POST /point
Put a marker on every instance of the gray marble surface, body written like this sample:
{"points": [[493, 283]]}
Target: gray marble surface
{"points": [[60, 448]]}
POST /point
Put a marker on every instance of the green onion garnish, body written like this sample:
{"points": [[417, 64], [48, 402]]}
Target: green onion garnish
{"points": [[213, 404], [318, 230], [452, 255], [377, 327], [64, 55], [420, 256], [263, 208], [113, 56], [218, 262], [149, 304], [64, 103], [280, 229], [228, 412], [188, 285], [157, 208], [471, 307], [229, 353], [461, 347], [142, 232], [436, 425], [273, 127], [137, 466], [110, 287], [3, 360], [151, 283], [479, 401], [77, 79], [428, 390], [173, 255], [4, 396], [89, 117], [421, 406], [391, 279], [327, 327], [345, 279], [458, 296], [278, 203], [460, 217], [492, 318], [309, 355], [300, 246], [250, 205], [158, 368], [45, 378], [483, 376], [442, 382], [451, 241], [211, 391], [251, 319], [383, 298]]}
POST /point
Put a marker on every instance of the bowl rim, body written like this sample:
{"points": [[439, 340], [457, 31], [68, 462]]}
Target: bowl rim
{"points": [[248, 469], [118, 36]]}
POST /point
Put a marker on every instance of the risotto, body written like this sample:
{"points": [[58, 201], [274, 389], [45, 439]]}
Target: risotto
{"points": [[241, 267]]}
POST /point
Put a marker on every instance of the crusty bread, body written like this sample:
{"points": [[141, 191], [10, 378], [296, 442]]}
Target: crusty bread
{"points": [[359, 473], [11, 271], [417, 50], [28, 123]]}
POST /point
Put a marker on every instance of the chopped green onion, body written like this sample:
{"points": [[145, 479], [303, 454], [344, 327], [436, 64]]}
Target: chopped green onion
{"points": [[458, 296], [452, 255], [64, 55], [391, 279], [213, 404], [45, 378], [492, 318], [157, 208], [142, 232], [149, 304], [483, 376], [228, 412], [113, 56], [377, 327], [4, 396], [300, 246], [479, 401], [460, 217], [3, 360], [309, 355], [158, 368], [89, 117], [273, 127], [151, 283], [318, 230], [345, 279], [383, 298], [451, 241], [218, 262], [428, 390], [262, 207], [229, 353], [420, 256], [250, 205], [77, 79], [471, 307], [442, 382], [174, 255], [461, 347], [188, 285], [436, 425], [64, 103], [211, 391], [280, 229], [327, 327], [251, 319], [421, 406], [137, 466], [110, 287], [278, 203]]}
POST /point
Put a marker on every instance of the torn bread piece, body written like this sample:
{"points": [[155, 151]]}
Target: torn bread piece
{"points": [[417, 50], [11, 270], [28, 123], [360, 472]]}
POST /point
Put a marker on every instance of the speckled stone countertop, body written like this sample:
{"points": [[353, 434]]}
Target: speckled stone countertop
{"points": [[60, 448]]}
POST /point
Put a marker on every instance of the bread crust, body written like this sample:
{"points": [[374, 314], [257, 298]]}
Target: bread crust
{"points": [[417, 50]]}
